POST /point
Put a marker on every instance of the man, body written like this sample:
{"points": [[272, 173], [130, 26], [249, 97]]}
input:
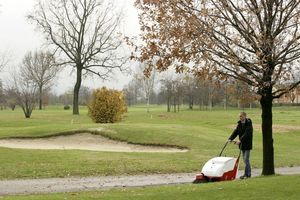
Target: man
{"points": [[244, 130]]}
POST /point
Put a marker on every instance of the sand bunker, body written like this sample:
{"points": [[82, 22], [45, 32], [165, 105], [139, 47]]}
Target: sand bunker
{"points": [[279, 128], [83, 141], [276, 128]]}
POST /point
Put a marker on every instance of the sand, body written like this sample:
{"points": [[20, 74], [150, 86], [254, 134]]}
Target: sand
{"points": [[276, 128], [83, 141]]}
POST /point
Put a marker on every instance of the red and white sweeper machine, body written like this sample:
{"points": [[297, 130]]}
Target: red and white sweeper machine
{"points": [[221, 168]]}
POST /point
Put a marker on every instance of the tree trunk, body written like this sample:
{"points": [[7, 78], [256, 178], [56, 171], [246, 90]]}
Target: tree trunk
{"points": [[225, 97], [210, 103], [40, 97], [201, 104], [225, 104], [191, 103], [26, 111], [174, 103], [76, 91], [169, 104], [268, 150], [148, 103]]}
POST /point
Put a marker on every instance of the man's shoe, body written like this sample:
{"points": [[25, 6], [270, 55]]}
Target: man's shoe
{"points": [[244, 177]]}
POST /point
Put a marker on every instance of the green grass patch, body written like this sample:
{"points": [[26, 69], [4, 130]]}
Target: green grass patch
{"points": [[264, 188], [203, 132]]}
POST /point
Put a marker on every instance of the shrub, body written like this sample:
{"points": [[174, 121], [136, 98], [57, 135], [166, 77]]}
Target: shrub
{"points": [[107, 106], [66, 107]]}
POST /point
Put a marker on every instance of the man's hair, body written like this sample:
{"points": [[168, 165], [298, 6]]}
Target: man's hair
{"points": [[243, 113]]}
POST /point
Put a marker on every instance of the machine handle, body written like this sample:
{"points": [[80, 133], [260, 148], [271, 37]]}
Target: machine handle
{"points": [[224, 147], [228, 141]]}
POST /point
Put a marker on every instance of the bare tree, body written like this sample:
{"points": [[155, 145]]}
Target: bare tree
{"points": [[172, 88], [25, 93], [85, 94], [85, 32], [253, 41], [10, 97], [147, 83], [4, 59], [133, 91], [66, 98], [190, 86], [40, 67], [2, 96], [167, 90]]}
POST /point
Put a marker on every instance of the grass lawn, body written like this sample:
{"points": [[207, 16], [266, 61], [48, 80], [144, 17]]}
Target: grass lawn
{"points": [[203, 132], [271, 188]]}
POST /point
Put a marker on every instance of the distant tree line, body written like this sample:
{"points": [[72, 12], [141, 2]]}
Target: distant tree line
{"points": [[196, 92], [10, 98]]}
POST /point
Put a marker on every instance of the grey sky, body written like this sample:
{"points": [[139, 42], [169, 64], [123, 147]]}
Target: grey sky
{"points": [[18, 37]]}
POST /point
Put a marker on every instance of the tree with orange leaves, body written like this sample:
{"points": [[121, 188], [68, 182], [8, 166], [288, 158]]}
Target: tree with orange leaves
{"points": [[254, 41]]}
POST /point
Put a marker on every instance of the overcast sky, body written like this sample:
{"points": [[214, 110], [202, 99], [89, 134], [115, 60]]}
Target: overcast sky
{"points": [[18, 37]]}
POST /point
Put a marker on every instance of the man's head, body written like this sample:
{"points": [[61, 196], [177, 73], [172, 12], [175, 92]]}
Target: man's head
{"points": [[243, 116]]}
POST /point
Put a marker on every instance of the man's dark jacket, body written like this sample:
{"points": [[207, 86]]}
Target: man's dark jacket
{"points": [[245, 133]]}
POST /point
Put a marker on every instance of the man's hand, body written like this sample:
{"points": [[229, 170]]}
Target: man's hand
{"points": [[234, 142]]}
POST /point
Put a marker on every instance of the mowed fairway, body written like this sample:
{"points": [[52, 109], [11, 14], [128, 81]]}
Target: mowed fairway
{"points": [[203, 132]]}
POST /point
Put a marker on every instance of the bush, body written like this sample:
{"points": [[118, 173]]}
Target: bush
{"points": [[66, 107], [107, 106]]}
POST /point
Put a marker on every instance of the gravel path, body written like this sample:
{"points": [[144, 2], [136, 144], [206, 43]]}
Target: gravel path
{"points": [[33, 186]]}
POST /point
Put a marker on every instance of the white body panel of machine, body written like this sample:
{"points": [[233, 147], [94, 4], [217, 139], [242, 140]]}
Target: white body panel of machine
{"points": [[217, 166]]}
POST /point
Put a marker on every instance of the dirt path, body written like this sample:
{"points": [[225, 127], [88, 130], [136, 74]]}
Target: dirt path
{"points": [[33, 186]]}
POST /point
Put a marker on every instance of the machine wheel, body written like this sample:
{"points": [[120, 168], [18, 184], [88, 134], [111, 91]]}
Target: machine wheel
{"points": [[196, 181]]}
